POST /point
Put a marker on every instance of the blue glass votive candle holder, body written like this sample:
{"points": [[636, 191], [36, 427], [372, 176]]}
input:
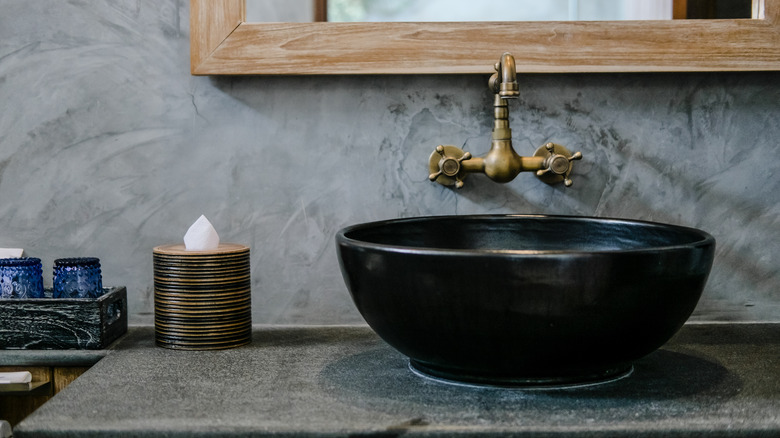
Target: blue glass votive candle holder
{"points": [[77, 277], [21, 278]]}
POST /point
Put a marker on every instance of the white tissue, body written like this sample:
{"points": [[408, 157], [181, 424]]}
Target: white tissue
{"points": [[201, 236], [10, 253], [16, 377]]}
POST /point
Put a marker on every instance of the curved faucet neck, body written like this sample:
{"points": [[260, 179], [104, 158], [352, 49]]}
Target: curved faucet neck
{"points": [[504, 81]]}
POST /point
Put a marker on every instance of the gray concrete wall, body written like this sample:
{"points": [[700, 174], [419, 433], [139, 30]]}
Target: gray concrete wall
{"points": [[108, 147]]}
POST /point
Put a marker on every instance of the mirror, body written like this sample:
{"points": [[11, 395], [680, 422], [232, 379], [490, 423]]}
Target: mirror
{"points": [[495, 10], [302, 11], [463, 10], [286, 11], [223, 42]]}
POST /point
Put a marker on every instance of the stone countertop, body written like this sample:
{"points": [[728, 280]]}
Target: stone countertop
{"points": [[710, 380], [61, 358]]}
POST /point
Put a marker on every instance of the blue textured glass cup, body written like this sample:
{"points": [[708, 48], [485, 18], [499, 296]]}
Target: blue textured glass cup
{"points": [[21, 278], [77, 277]]}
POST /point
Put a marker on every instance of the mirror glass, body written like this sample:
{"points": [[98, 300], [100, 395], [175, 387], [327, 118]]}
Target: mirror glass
{"points": [[498, 10], [302, 11], [281, 11]]}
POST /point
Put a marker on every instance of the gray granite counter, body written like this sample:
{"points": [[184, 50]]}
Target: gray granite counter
{"points": [[710, 380], [62, 358]]}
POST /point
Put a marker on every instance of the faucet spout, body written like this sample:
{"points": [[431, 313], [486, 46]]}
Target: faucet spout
{"points": [[504, 80], [449, 165]]}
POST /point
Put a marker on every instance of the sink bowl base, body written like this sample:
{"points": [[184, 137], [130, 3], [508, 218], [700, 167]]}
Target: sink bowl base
{"points": [[557, 382]]}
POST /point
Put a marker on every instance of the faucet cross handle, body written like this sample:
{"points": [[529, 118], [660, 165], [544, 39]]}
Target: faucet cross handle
{"points": [[557, 163], [445, 165]]}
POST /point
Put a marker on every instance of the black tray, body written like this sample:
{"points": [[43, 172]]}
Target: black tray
{"points": [[63, 323]]}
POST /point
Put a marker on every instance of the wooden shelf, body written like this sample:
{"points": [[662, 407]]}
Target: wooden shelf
{"points": [[32, 388]]}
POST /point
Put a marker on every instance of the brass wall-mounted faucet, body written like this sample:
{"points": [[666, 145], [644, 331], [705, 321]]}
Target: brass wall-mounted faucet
{"points": [[552, 162]]}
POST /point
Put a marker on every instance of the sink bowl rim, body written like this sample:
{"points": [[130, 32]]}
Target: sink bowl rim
{"points": [[343, 238]]}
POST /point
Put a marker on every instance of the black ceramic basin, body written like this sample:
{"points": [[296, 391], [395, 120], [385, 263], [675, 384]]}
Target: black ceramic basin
{"points": [[524, 300]]}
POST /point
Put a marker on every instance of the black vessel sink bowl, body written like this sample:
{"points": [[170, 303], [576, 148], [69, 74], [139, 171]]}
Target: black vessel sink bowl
{"points": [[524, 300]]}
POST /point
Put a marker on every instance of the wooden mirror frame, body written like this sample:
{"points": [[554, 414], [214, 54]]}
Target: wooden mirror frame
{"points": [[223, 43]]}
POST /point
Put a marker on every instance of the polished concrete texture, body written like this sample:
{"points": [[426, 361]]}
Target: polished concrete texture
{"points": [[108, 147], [718, 380]]}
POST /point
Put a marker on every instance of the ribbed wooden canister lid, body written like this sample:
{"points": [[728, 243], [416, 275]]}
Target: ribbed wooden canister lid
{"points": [[178, 249]]}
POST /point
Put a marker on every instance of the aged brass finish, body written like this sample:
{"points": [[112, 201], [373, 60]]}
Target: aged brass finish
{"points": [[504, 81], [445, 165], [448, 165], [557, 163]]}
